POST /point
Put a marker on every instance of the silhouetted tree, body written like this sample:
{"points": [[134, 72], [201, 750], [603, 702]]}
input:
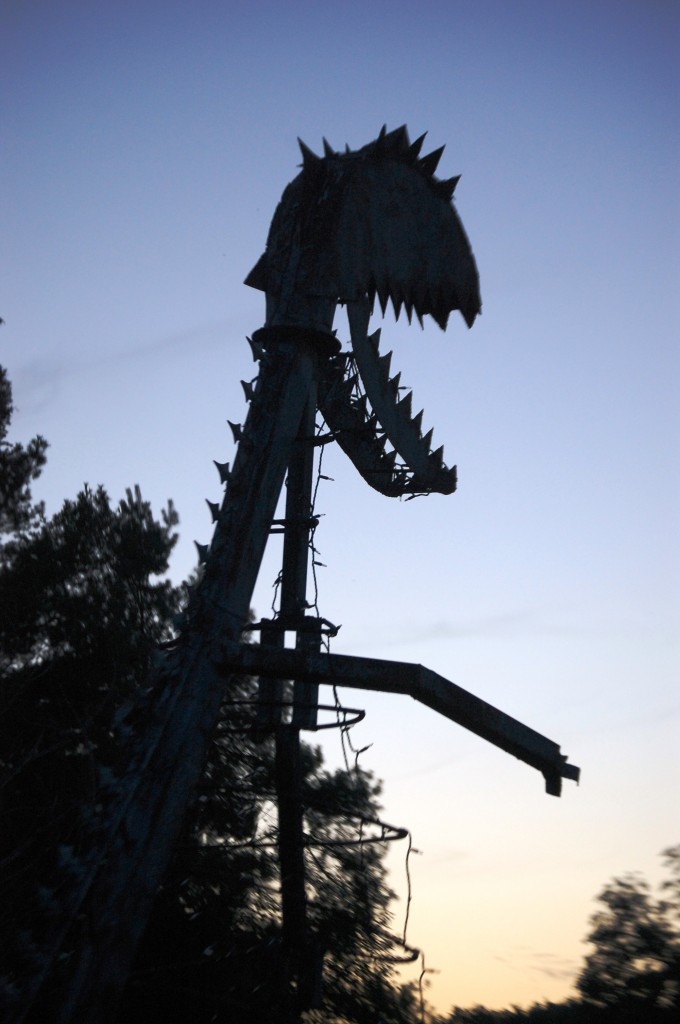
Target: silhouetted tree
{"points": [[19, 465], [82, 610], [634, 965], [81, 619], [569, 1012], [671, 886]]}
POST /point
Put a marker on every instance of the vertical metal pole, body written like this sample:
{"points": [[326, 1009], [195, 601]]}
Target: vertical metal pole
{"points": [[296, 944]]}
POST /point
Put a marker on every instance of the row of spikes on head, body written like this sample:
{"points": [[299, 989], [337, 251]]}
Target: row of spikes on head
{"points": [[394, 145]]}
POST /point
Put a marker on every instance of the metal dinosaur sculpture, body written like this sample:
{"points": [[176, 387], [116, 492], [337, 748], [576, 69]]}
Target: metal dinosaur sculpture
{"points": [[351, 227]]}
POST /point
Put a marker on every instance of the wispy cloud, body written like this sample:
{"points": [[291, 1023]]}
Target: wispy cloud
{"points": [[38, 381], [516, 622], [552, 965], [447, 855], [501, 624], [427, 769]]}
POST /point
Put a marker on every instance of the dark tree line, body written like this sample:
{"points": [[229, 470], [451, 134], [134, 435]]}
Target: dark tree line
{"points": [[84, 609]]}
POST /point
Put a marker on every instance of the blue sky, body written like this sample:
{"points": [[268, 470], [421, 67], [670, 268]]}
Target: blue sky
{"points": [[145, 148]]}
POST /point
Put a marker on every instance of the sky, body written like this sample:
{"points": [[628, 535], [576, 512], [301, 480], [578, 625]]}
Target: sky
{"points": [[146, 146]]}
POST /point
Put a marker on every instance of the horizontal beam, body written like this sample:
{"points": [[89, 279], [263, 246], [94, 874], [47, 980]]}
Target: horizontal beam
{"points": [[415, 681]]}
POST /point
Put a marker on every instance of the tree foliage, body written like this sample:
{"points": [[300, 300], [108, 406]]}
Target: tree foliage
{"points": [[570, 1012], [81, 587], [82, 617], [635, 964], [19, 466], [85, 606]]}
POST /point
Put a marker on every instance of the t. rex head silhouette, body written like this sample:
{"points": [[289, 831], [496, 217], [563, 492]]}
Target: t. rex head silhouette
{"points": [[365, 223]]}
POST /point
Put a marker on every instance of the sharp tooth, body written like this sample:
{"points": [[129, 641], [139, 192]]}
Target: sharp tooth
{"points": [[405, 404], [202, 552], [394, 383], [309, 159], [384, 363], [420, 320], [390, 457], [214, 509], [328, 149], [223, 470], [427, 440], [248, 390], [429, 162], [420, 300], [375, 339], [449, 293], [418, 421], [409, 310], [438, 457], [442, 317], [383, 297], [236, 430], [396, 303], [256, 348]]}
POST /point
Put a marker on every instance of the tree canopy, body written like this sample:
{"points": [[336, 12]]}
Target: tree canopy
{"points": [[83, 608], [634, 966], [19, 466]]}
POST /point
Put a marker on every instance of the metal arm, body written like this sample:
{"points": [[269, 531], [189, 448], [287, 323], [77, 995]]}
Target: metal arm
{"points": [[418, 682]]}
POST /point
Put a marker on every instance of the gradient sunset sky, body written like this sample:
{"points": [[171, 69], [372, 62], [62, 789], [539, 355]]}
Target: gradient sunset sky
{"points": [[146, 145]]}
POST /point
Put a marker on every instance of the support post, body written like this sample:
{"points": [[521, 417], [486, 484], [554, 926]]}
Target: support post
{"points": [[289, 780]]}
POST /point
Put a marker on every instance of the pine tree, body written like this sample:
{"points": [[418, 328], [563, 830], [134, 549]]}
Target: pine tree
{"points": [[82, 611], [19, 465]]}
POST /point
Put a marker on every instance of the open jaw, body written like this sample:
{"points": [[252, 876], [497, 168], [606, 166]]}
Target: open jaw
{"points": [[371, 418], [356, 226]]}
